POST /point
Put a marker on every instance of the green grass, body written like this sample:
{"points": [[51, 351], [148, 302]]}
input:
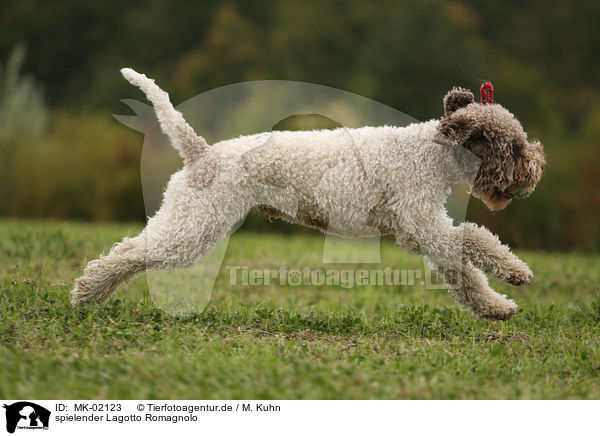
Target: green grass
{"points": [[286, 342]]}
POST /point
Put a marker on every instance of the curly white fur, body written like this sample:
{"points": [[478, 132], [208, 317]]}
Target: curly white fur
{"points": [[351, 182]]}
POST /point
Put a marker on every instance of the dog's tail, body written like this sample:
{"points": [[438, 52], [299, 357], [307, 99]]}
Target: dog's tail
{"points": [[182, 136]]}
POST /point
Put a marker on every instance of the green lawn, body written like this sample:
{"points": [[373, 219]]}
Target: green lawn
{"points": [[285, 342]]}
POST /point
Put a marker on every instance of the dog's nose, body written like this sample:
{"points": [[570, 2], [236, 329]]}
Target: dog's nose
{"points": [[544, 165]]}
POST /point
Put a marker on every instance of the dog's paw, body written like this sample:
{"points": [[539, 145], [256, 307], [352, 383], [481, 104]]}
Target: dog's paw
{"points": [[520, 277], [500, 312], [82, 293], [78, 296]]}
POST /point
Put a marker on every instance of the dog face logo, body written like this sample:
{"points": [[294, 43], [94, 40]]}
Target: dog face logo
{"points": [[26, 415]]}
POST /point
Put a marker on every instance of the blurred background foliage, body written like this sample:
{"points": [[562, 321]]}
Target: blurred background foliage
{"points": [[63, 155]]}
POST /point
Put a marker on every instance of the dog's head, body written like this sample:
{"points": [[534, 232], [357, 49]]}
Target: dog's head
{"points": [[511, 165]]}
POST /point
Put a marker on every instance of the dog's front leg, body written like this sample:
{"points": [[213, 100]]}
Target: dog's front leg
{"points": [[486, 251], [470, 288], [444, 247], [467, 242]]}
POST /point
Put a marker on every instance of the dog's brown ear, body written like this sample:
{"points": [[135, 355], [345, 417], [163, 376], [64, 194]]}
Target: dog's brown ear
{"points": [[457, 98]]}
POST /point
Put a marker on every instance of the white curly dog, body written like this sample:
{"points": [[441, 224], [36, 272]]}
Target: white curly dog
{"points": [[350, 182]]}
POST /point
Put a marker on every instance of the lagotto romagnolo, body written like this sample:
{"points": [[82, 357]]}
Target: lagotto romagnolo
{"points": [[385, 180]]}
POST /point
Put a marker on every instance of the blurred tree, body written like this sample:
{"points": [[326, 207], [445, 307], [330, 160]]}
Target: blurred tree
{"points": [[541, 57], [23, 111]]}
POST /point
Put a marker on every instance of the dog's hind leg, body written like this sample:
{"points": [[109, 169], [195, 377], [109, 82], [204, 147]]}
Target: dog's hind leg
{"points": [[182, 232], [102, 276], [154, 248], [197, 212]]}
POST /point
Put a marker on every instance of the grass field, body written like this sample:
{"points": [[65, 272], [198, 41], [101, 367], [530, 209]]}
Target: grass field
{"points": [[286, 342]]}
